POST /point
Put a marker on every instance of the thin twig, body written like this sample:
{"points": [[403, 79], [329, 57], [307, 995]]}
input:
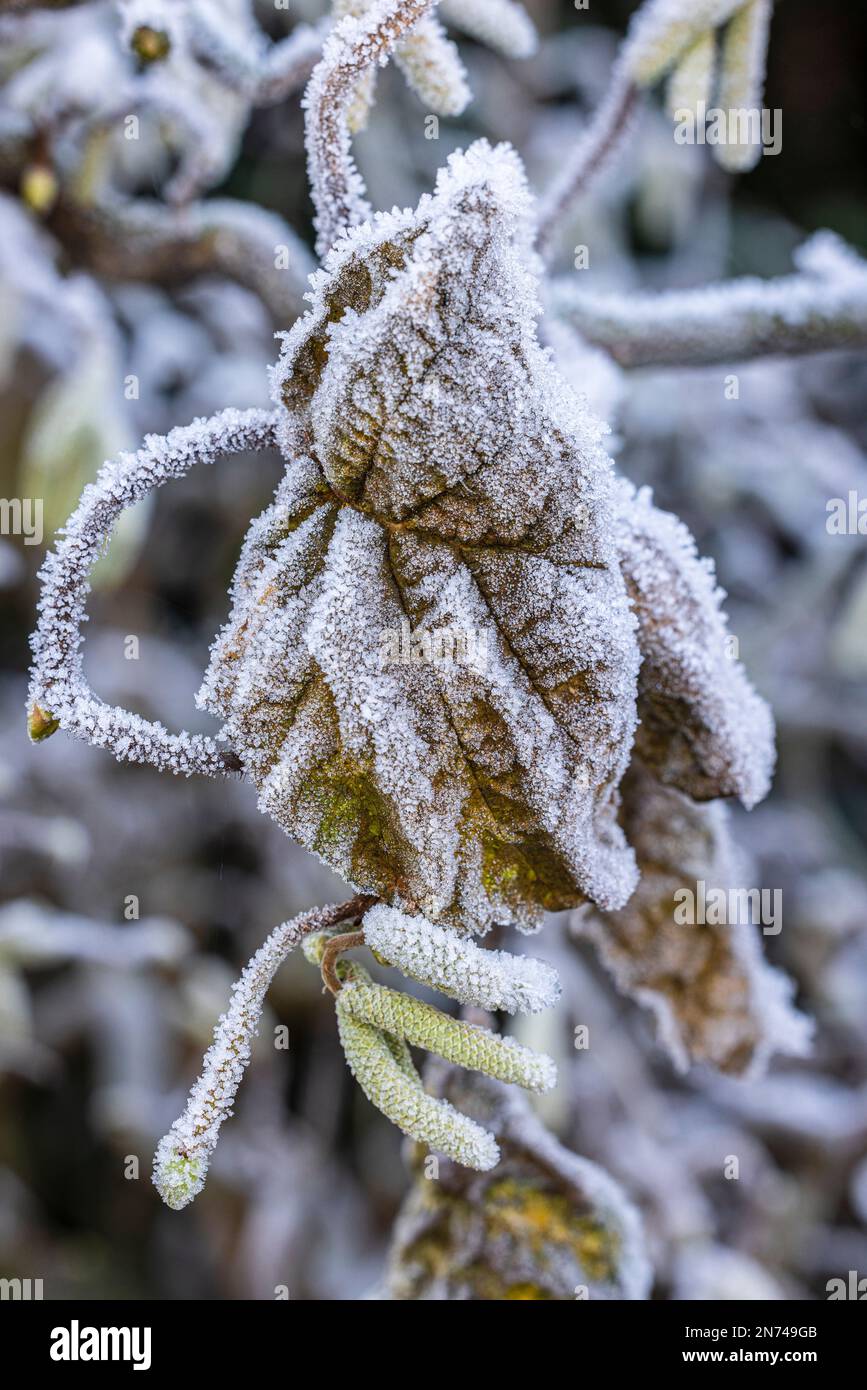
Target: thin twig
{"points": [[333, 951], [142, 239], [59, 690], [182, 1156], [822, 308], [354, 46], [600, 145]]}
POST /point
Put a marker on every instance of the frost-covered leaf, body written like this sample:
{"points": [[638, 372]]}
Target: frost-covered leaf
{"points": [[446, 482], [544, 1225], [702, 727], [713, 997]]}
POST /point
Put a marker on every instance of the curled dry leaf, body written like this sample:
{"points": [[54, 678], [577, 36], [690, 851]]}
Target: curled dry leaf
{"points": [[703, 729], [714, 998], [545, 1225]]}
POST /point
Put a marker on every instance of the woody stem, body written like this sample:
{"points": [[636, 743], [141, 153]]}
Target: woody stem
{"points": [[331, 954]]}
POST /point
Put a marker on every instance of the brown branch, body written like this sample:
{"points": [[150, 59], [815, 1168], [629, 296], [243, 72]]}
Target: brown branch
{"points": [[598, 149], [140, 239], [333, 951], [353, 47], [819, 310]]}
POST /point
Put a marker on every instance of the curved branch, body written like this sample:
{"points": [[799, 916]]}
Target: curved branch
{"points": [[602, 142], [334, 949], [263, 73], [203, 154], [59, 693], [141, 239], [821, 309], [336, 185]]}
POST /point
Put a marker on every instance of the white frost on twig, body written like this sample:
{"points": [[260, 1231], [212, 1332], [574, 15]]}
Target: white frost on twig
{"points": [[58, 685], [599, 147], [822, 307], [32, 936], [353, 47], [243, 57]]}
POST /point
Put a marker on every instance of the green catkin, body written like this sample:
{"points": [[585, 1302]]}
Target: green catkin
{"points": [[744, 52], [691, 82], [389, 1084], [465, 1044], [375, 1024]]}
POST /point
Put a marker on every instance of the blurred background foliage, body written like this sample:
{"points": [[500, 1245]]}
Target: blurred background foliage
{"points": [[103, 1017]]}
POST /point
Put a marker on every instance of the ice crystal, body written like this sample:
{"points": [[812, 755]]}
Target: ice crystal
{"points": [[439, 957]]}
